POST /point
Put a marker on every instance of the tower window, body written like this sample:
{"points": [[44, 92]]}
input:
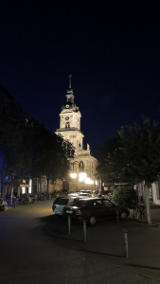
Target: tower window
{"points": [[67, 125], [81, 166]]}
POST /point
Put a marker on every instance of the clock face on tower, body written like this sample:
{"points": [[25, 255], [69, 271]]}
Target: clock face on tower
{"points": [[66, 118]]}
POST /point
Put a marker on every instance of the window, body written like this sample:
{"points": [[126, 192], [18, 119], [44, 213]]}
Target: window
{"points": [[67, 125], [61, 201], [81, 165], [107, 203], [97, 202]]}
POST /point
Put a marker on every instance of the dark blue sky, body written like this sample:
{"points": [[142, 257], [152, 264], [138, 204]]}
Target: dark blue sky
{"points": [[115, 67]]}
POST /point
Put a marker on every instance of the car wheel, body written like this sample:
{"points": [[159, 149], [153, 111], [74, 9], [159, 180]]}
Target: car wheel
{"points": [[92, 220], [124, 215]]}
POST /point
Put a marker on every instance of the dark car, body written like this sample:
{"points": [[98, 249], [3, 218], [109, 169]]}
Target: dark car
{"points": [[94, 208], [60, 202]]}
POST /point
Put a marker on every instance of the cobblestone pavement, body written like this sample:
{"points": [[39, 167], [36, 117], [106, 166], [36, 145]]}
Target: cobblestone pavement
{"points": [[35, 248]]}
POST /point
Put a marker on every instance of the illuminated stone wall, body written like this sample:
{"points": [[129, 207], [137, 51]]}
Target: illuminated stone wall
{"points": [[70, 130]]}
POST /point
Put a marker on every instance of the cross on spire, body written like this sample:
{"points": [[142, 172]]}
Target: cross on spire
{"points": [[70, 77]]}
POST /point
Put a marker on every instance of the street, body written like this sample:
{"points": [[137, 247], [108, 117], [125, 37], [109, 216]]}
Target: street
{"points": [[35, 248]]}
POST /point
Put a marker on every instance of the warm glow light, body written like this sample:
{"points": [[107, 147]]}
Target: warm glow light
{"points": [[88, 181], [82, 176], [23, 190], [96, 182], [73, 175], [30, 186]]}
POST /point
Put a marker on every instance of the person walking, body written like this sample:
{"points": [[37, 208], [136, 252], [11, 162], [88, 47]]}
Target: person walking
{"points": [[14, 201]]}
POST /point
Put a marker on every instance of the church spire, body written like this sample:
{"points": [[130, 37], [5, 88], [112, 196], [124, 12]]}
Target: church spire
{"points": [[69, 95], [70, 78]]}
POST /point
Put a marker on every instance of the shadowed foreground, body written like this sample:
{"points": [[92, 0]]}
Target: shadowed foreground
{"points": [[35, 248]]}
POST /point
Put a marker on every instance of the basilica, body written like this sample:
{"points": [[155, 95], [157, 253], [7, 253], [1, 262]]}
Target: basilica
{"points": [[83, 165]]}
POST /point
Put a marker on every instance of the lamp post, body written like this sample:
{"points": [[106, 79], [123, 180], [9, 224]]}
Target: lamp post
{"points": [[80, 177], [100, 188]]}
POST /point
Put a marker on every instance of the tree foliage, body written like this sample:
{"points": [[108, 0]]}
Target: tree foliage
{"points": [[125, 197], [134, 155], [27, 148], [107, 166]]}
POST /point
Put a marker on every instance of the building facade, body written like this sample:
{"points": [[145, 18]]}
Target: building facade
{"points": [[83, 165]]}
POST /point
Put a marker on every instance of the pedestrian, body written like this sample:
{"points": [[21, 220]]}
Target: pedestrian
{"points": [[14, 201]]}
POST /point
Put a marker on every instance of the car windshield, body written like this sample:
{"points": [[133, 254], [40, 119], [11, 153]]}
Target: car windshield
{"points": [[72, 201], [81, 203], [61, 201]]}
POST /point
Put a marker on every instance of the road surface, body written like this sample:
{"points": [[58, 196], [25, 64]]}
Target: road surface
{"points": [[34, 248]]}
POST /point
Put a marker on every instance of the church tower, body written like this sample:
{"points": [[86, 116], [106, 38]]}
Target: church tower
{"points": [[70, 130], [70, 121]]}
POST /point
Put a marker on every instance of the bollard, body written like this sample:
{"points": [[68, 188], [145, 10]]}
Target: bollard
{"points": [[84, 230], [125, 243], [69, 224], [117, 215]]}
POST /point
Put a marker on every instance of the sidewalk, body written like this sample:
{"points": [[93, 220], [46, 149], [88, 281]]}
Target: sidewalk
{"points": [[105, 243]]}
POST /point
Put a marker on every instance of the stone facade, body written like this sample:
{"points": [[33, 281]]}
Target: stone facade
{"points": [[70, 130]]}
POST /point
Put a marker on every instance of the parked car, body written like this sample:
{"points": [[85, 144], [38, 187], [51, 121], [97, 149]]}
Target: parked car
{"points": [[3, 205], [83, 194], [60, 202], [94, 208], [91, 193], [79, 195]]}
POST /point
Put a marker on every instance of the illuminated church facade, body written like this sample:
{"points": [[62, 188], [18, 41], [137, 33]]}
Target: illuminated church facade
{"points": [[70, 130]]}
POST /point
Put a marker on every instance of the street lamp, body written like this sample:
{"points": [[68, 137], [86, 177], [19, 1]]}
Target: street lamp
{"points": [[82, 176], [73, 175], [88, 181]]}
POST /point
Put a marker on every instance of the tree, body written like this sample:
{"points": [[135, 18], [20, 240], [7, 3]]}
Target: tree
{"points": [[50, 157], [27, 148], [125, 197], [13, 152], [107, 166], [136, 157]]}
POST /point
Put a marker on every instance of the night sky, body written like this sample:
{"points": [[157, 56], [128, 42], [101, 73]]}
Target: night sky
{"points": [[115, 68]]}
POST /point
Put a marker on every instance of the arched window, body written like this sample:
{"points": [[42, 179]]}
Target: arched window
{"points": [[67, 125], [81, 166]]}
